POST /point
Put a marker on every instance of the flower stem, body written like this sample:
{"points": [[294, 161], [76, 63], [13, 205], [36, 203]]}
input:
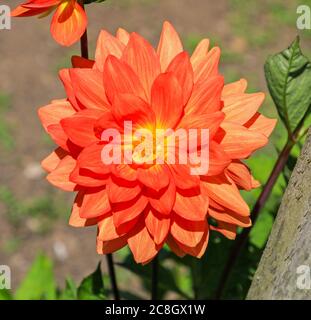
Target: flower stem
{"points": [[154, 285], [83, 41], [239, 244], [112, 275], [84, 46]]}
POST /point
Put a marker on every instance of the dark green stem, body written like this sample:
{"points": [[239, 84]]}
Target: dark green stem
{"points": [[154, 284], [112, 276], [84, 41]]}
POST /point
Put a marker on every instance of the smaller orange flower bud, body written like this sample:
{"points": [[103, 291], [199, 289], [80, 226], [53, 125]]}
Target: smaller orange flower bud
{"points": [[69, 20]]}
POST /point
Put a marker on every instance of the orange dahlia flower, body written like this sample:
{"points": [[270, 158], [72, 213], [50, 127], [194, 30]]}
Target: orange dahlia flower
{"points": [[144, 205], [69, 20]]}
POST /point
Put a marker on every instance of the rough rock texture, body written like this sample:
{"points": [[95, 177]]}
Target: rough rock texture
{"points": [[289, 245]]}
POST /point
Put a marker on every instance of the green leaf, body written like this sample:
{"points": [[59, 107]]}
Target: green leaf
{"points": [[39, 282], [92, 287], [70, 291], [261, 230], [288, 75], [5, 294]]}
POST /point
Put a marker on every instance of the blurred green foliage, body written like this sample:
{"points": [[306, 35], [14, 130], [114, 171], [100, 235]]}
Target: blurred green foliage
{"points": [[6, 138], [39, 284], [43, 209]]}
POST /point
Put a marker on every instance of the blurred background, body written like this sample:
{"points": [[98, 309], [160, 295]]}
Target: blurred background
{"points": [[34, 215]]}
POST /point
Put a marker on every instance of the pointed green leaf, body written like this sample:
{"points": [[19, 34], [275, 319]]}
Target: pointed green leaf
{"points": [[70, 291], [288, 75], [39, 282], [92, 287]]}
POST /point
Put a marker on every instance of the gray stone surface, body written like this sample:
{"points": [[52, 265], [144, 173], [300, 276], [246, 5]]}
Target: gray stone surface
{"points": [[289, 245]]}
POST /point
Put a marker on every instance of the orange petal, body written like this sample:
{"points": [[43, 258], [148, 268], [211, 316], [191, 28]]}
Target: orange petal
{"points": [[240, 108], [121, 193], [174, 246], [128, 211], [69, 23], [166, 100], [182, 177], [123, 36], [193, 208], [106, 121], [53, 113], [75, 219], [127, 107], [209, 121], [52, 161], [60, 177], [218, 159], [188, 232], [107, 230], [229, 217], [240, 174], [158, 226], [199, 53], [80, 128], [255, 183], [225, 192], [234, 88], [141, 56], [67, 83], [87, 178], [156, 177], [89, 89], [119, 77], [142, 245], [90, 159], [21, 11], [226, 229], [106, 247], [239, 142], [95, 204], [107, 45], [199, 249], [124, 171], [58, 135], [40, 3], [182, 70], [261, 124], [208, 67], [80, 62], [206, 97], [163, 201], [169, 45], [50, 117]]}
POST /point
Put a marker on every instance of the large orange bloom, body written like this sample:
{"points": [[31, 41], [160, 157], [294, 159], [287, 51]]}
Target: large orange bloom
{"points": [[69, 20], [146, 206]]}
